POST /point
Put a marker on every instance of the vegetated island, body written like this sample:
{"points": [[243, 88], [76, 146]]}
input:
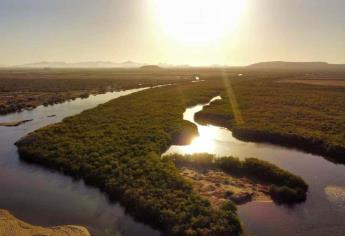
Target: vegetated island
{"points": [[302, 116], [10, 225], [117, 147], [227, 178]]}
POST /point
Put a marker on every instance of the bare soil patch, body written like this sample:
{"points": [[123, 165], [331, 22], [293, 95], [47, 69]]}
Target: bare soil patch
{"points": [[219, 187]]}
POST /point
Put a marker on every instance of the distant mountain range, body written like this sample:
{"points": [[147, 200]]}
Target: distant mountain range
{"points": [[297, 65], [87, 64], [90, 64], [280, 65]]}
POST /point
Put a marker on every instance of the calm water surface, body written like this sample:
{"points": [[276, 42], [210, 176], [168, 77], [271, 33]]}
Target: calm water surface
{"points": [[322, 214], [40, 196]]}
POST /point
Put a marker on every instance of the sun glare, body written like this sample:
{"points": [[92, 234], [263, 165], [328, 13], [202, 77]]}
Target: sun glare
{"points": [[202, 143], [198, 21]]}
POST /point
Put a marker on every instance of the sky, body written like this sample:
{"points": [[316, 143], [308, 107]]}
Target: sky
{"points": [[193, 32]]}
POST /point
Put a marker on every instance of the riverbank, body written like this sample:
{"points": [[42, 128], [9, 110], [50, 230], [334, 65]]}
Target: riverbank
{"points": [[10, 225], [305, 117], [334, 153], [14, 123]]}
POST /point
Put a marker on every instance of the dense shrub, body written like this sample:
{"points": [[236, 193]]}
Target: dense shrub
{"points": [[285, 194], [117, 147], [302, 116]]}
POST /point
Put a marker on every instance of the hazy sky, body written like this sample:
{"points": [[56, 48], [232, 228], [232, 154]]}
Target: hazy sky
{"points": [[196, 32]]}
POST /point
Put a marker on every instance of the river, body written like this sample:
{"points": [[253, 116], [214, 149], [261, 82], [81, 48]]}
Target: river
{"points": [[323, 213], [43, 197]]}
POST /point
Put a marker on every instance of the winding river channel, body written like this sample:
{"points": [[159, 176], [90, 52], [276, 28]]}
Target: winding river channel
{"points": [[43, 197], [323, 213], [40, 196]]}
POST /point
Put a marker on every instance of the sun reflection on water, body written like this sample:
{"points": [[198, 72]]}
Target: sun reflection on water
{"points": [[202, 143], [205, 141], [211, 139]]}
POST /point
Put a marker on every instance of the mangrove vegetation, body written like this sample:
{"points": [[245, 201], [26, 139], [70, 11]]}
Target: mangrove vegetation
{"points": [[117, 147], [303, 116]]}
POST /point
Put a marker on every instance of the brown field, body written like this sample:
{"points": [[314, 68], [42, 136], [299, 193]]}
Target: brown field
{"points": [[323, 82]]}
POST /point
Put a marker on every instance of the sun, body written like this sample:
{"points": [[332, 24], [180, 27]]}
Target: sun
{"points": [[198, 21]]}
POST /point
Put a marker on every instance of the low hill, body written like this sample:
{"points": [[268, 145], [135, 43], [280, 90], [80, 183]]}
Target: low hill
{"points": [[151, 67]]}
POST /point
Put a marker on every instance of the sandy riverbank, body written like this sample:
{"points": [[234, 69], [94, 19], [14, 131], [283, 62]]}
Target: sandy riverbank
{"points": [[11, 226], [14, 123]]}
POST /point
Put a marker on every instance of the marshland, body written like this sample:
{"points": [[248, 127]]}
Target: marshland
{"points": [[172, 118], [134, 154]]}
